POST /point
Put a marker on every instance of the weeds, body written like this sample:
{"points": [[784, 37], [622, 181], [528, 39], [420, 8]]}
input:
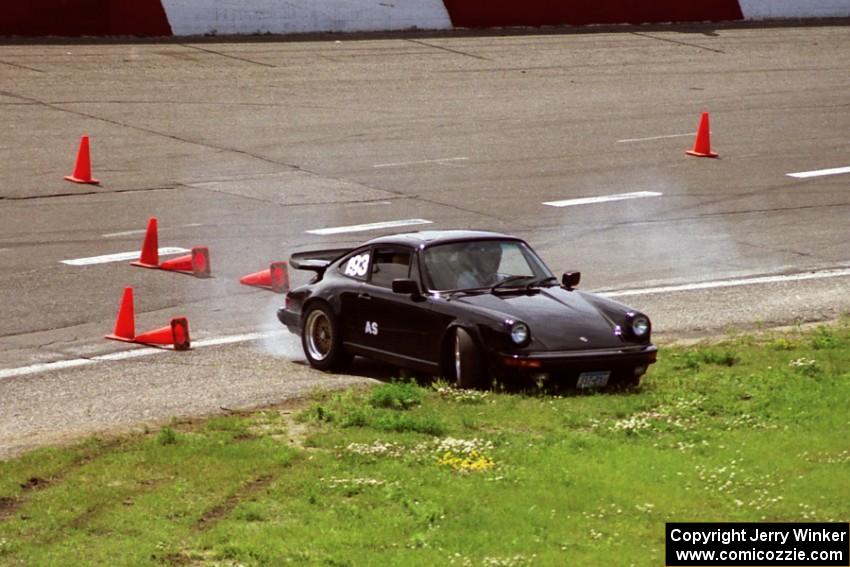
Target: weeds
{"points": [[167, 436], [386, 408], [397, 396], [782, 343], [695, 359], [824, 337], [458, 395], [806, 366], [427, 424]]}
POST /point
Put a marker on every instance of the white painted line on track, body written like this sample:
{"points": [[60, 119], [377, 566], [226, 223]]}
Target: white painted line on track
{"points": [[632, 140], [120, 257], [44, 367], [603, 199], [366, 227], [143, 230], [424, 161], [134, 353], [817, 275], [819, 172]]}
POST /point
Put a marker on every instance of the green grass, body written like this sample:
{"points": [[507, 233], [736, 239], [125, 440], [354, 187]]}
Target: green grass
{"points": [[753, 429]]}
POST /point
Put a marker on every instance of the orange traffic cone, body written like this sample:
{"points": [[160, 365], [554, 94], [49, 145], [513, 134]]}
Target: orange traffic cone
{"points": [[149, 257], [276, 278], [125, 325], [176, 333], [82, 167], [196, 263], [702, 144]]}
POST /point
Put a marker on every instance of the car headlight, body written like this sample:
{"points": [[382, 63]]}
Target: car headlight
{"points": [[520, 333], [640, 326]]}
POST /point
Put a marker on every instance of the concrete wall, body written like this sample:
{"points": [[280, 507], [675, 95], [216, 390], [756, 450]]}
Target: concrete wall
{"points": [[188, 17], [781, 9]]}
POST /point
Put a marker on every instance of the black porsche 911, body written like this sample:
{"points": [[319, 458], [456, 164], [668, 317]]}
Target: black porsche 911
{"points": [[470, 306]]}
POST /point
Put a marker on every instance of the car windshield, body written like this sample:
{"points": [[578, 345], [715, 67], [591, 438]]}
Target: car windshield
{"points": [[478, 264]]}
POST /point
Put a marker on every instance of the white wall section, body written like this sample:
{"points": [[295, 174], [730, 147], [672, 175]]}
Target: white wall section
{"points": [[199, 17], [778, 9]]}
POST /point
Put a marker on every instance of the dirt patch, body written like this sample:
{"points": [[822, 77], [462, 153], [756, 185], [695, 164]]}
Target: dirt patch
{"points": [[244, 436], [177, 559], [11, 504], [296, 431], [211, 517], [34, 483], [8, 506], [83, 519]]}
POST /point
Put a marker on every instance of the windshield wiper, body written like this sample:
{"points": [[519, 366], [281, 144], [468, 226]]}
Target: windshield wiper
{"points": [[506, 281], [451, 294], [540, 281]]}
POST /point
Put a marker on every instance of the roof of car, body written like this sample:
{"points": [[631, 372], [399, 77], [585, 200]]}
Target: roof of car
{"points": [[429, 237]]}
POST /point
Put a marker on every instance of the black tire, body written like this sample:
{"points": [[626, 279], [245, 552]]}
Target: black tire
{"points": [[467, 361], [321, 340], [631, 383], [626, 384]]}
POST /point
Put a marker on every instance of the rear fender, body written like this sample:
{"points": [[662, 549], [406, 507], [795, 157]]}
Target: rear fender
{"points": [[318, 300]]}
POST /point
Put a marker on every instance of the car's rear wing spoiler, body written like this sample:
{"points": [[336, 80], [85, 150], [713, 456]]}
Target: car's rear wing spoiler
{"points": [[316, 260]]}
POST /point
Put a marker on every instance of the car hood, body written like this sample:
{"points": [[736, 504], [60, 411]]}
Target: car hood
{"points": [[559, 319]]}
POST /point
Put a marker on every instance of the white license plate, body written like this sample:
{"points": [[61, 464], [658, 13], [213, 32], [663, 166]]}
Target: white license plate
{"points": [[593, 379]]}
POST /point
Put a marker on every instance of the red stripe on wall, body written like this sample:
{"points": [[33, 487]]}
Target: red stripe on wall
{"points": [[535, 13], [84, 18]]}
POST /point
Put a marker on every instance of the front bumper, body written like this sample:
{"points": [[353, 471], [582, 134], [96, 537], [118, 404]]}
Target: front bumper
{"points": [[623, 363]]}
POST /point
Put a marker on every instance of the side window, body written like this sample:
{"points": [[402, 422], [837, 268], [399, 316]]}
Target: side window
{"points": [[390, 264], [356, 266]]}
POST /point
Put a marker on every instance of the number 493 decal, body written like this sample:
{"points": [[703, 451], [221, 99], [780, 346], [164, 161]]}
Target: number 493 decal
{"points": [[357, 265]]}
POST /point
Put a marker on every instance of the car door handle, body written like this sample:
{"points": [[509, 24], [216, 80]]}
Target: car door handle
{"points": [[364, 296]]}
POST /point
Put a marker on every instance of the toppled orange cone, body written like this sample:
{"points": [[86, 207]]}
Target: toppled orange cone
{"points": [[276, 278], [702, 144], [82, 167], [197, 263], [175, 334]]}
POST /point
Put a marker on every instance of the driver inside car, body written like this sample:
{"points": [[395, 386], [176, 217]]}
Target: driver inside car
{"points": [[479, 262]]}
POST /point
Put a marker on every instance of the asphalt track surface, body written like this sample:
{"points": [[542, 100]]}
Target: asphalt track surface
{"points": [[246, 146]]}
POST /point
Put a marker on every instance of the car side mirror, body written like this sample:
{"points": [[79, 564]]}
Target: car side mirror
{"points": [[570, 279], [409, 287]]}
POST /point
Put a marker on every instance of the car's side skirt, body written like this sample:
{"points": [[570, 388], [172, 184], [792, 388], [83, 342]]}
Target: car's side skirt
{"points": [[393, 358]]}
